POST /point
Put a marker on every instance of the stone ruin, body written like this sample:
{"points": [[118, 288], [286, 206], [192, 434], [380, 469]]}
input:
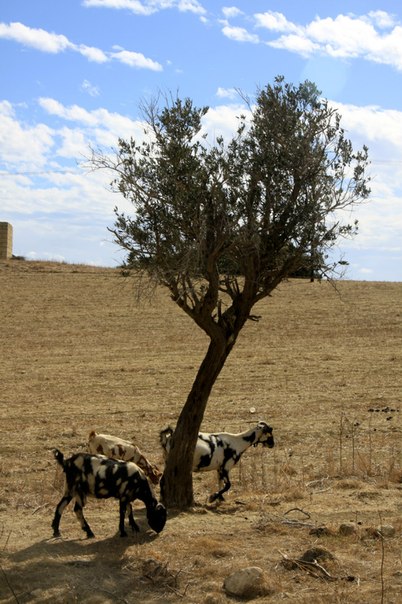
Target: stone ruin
{"points": [[6, 241]]}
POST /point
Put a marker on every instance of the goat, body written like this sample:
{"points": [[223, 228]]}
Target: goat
{"points": [[221, 451], [101, 477], [117, 448]]}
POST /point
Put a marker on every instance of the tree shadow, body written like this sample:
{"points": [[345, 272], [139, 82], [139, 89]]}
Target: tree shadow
{"points": [[69, 570]]}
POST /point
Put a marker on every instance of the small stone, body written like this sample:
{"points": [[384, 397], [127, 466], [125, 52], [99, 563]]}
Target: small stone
{"points": [[348, 528], [246, 583], [398, 575], [317, 553], [386, 530]]}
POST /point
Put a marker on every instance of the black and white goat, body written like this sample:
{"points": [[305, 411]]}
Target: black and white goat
{"points": [[101, 477], [221, 451]]}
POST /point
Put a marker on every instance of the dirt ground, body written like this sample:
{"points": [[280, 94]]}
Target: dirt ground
{"points": [[322, 366]]}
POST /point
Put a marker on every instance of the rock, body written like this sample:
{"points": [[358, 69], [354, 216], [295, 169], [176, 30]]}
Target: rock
{"points": [[321, 531], [348, 528], [317, 553], [246, 583], [386, 530]]}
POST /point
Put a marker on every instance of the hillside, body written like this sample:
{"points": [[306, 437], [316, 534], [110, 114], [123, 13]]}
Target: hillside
{"points": [[323, 366]]}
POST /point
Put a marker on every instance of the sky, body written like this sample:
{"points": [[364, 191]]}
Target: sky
{"points": [[75, 73]]}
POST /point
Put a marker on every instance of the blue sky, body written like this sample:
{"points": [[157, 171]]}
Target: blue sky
{"points": [[74, 73]]}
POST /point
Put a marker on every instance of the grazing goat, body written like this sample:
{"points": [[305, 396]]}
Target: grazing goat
{"points": [[221, 451], [100, 477], [117, 448]]}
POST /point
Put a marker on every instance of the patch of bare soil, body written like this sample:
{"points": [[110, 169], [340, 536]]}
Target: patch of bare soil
{"points": [[322, 366]]}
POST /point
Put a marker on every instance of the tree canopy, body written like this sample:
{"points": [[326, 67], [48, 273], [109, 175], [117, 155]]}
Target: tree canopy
{"points": [[222, 224]]}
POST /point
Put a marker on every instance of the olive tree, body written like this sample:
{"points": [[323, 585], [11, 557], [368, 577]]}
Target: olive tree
{"points": [[222, 224]]}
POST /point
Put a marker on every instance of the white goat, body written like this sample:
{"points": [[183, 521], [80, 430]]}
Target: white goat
{"points": [[221, 451], [117, 448]]}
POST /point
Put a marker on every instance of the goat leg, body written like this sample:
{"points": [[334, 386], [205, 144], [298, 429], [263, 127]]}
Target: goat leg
{"points": [[123, 507], [134, 526], [57, 515], [223, 478], [84, 524]]}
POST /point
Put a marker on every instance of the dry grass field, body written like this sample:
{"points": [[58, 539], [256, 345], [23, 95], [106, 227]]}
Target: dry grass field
{"points": [[323, 367]]}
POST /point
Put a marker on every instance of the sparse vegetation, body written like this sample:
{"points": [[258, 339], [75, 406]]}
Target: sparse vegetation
{"points": [[78, 353]]}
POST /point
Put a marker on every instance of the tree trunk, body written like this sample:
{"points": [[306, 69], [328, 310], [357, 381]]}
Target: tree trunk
{"points": [[177, 480]]}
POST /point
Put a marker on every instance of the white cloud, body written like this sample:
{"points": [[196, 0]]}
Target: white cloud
{"points": [[374, 37], [35, 38], [374, 124], [148, 7], [298, 44], [239, 34], [74, 144], [275, 22], [20, 144], [231, 11], [381, 18], [95, 55], [44, 41], [223, 120], [380, 217], [227, 93], [136, 59], [135, 6], [95, 121]]}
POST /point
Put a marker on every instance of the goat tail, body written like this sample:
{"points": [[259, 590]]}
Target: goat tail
{"points": [[59, 457]]}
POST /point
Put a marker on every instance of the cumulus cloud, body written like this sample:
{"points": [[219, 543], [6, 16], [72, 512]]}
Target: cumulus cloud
{"points": [[231, 11], [136, 59], [275, 22], [239, 34], [21, 144], [35, 38], [376, 36], [44, 41], [374, 124], [223, 120], [148, 7], [95, 55], [227, 93], [103, 127]]}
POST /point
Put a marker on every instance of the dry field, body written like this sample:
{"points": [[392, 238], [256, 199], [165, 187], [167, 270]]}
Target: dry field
{"points": [[323, 367]]}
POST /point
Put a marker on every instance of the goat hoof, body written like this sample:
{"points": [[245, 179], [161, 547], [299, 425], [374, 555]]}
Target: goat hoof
{"points": [[216, 497]]}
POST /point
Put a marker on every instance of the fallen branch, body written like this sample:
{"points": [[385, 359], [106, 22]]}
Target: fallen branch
{"points": [[298, 510], [307, 566], [298, 523], [45, 505]]}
